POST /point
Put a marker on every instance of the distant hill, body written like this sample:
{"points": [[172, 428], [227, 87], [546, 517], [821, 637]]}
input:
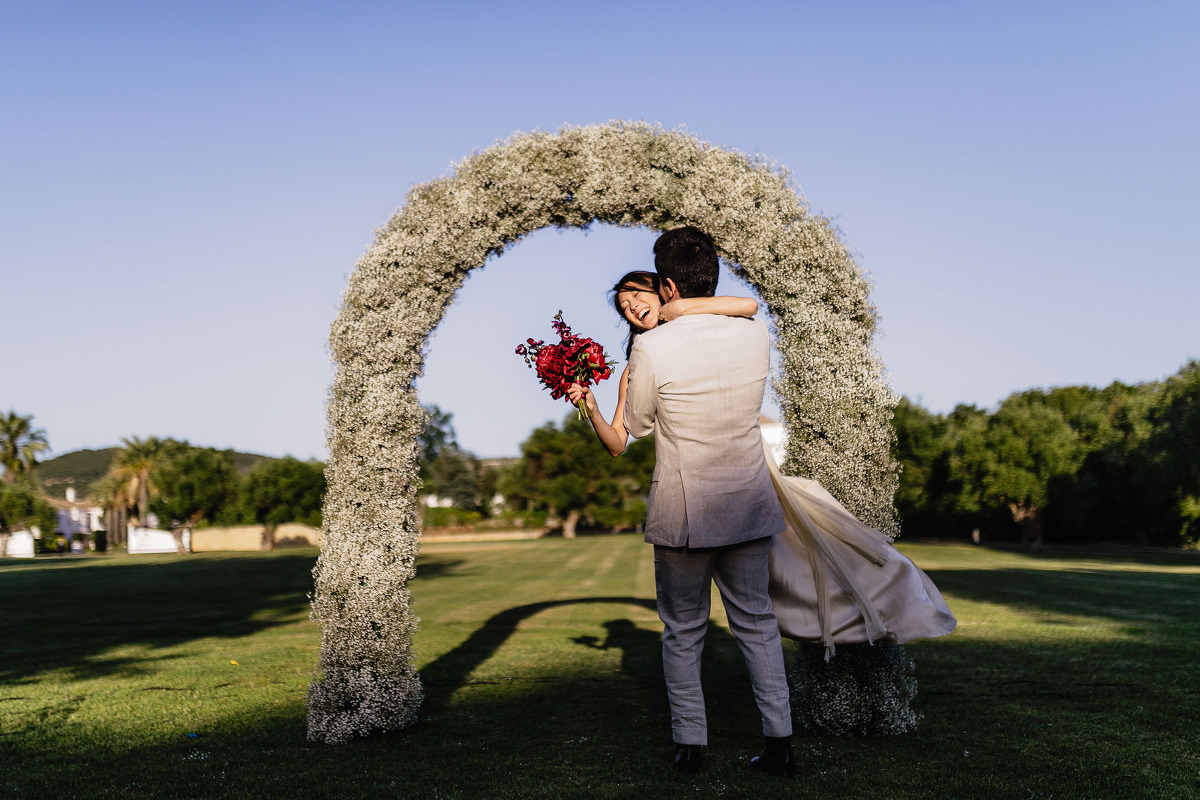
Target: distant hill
{"points": [[83, 468], [80, 469], [244, 462]]}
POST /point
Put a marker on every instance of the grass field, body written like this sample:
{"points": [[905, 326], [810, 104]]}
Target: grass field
{"points": [[1073, 674]]}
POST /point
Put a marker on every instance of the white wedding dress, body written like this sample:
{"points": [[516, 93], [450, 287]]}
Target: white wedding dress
{"points": [[835, 580]]}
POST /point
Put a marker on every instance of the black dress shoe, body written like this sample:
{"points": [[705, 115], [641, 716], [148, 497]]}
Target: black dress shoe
{"points": [[776, 758], [688, 758]]}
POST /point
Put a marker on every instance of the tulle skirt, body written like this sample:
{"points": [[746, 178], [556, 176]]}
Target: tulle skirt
{"points": [[835, 580]]}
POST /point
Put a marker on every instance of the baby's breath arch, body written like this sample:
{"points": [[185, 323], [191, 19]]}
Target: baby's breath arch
{"points": [[835, 403]]}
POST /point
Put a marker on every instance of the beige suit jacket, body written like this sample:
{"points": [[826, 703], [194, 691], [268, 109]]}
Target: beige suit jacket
{"points": [[697, 383]]}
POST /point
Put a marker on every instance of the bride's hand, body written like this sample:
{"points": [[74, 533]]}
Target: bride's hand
{"points": [[671, 310], [575, 391]]}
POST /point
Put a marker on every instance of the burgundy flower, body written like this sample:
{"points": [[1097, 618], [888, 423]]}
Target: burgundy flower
{"points": [[575, 359]]}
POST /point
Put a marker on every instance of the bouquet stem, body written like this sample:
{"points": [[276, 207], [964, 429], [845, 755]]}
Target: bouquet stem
{"points": [[584, 413]]}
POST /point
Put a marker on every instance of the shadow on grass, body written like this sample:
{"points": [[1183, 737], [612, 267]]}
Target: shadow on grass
{"points": [[1134, 597], [1114, 554], [65, 614], [573, 738], [1013, 717], [429, 567], [589, 734], [572, 709], [449, 672], [641, 650], [1006, 715], [1001, 720]]}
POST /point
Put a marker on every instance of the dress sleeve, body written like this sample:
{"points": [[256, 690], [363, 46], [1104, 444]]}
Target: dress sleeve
{"points": [[641, 398]]}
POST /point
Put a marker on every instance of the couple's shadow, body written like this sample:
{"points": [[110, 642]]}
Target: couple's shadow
{"points": [[641, 650], [641, 655]]}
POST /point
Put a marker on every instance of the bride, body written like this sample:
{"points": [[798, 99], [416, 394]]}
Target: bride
{"points": [[833, 579]]}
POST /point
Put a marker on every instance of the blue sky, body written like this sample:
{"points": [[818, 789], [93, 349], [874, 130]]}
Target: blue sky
{"points": [[185, 188]]}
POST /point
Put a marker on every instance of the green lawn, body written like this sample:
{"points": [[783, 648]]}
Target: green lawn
{"points": [[1073, 674]]}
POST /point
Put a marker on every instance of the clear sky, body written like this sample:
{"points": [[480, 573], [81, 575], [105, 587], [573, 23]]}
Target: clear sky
{"points": [[185, 187]]}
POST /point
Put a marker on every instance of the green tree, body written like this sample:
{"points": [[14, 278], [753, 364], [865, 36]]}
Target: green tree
{"points": [[20, 444], [489, 486], [132, 467], [285, 490], [455, 475], [113, 493], [566, 471], [1108, 498], [1172, 450], [1026, 445], [1074, 463], [935, 496], [193, 485], [436, 435], [920, 446], [23, 507]]}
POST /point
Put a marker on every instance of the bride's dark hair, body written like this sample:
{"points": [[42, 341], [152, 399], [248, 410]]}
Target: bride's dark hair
{"points": [[637, 281]]}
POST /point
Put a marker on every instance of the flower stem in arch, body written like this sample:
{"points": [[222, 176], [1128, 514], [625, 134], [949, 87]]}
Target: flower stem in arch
{"points": [[584, 413]]}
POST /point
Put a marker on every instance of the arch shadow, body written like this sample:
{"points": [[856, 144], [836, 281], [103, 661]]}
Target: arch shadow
{"points": [[450, 671], [642, 698]]}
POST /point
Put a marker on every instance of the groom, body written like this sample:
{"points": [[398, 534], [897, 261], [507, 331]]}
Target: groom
{"points": [[697, 384]]}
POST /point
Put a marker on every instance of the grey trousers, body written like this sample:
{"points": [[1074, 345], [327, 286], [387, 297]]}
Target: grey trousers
{"points": [[682, 577]]}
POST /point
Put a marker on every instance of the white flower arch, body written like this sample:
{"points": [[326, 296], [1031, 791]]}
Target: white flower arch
{"points": [[835, 402]]}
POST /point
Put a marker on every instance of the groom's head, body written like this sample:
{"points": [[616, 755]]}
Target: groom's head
{"points": [[686, 261]]}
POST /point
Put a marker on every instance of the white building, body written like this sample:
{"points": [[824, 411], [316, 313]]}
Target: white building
{"points": [[75, 518]]}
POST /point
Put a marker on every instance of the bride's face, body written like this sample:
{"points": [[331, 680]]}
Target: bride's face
{"points": [[640, 308]]}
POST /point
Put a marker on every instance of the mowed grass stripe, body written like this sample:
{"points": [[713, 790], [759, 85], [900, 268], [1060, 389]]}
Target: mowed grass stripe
{"points": [[541, 667]]}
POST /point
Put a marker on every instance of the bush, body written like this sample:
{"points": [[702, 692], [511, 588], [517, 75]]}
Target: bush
{"points": [[508, 518], [530, 519], [863, 690], [284, 490], [439, 517], [617, 518], [51, 545]]}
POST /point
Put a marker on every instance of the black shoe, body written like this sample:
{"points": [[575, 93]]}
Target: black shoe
{"points": [[776, 758], [688, 758]]}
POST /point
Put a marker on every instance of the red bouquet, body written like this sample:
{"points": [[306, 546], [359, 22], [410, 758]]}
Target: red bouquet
{"points": [[575, 359]]}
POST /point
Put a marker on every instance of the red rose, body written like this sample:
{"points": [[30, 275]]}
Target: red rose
{"points": [[594, 354], [575, 359]]}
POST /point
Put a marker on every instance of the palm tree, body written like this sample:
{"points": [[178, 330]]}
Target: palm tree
{"points": [[20, 444], [113, 494], [132, 466]]}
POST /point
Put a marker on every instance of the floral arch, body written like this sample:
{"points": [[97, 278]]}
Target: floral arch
{"points": [[835, 402]]}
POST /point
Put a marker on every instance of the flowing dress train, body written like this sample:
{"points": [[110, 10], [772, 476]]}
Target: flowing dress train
{"points": [[835, 580]]}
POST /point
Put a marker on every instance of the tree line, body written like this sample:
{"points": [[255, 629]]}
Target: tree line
{"points": [[1072, 464], [161, 480], [179, 485], [1067, 465], [563, 477], [22, 504]]}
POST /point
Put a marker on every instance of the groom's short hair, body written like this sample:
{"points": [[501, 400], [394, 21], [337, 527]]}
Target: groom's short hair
{"points": [[688, 257]]}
